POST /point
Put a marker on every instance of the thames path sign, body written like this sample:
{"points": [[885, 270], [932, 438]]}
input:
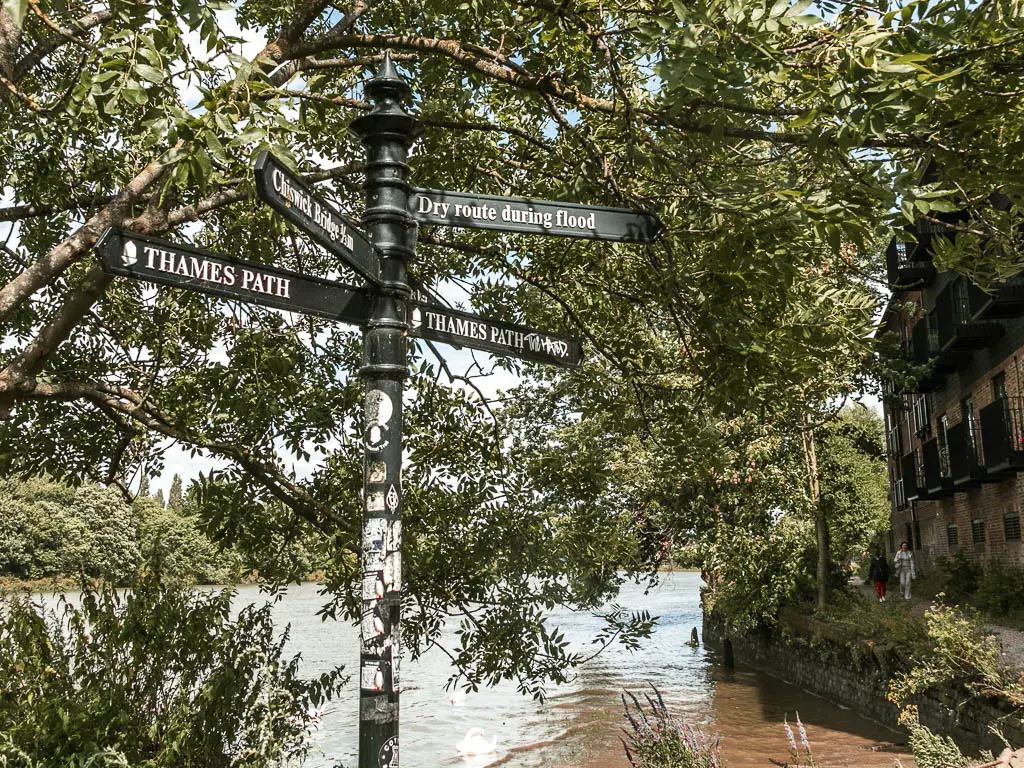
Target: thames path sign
{"points": [[533, 217], [289, 196], [436, 322], [159, 261]]}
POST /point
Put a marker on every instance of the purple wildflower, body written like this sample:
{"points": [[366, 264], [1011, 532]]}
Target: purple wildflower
{"points": [[803, 734], [789, 735]]}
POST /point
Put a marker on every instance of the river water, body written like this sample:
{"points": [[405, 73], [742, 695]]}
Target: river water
{"points": [[580, 723]]}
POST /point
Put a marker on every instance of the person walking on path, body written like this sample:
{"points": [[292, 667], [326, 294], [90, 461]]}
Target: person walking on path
{"points": [[905, 569], [880, 575]]}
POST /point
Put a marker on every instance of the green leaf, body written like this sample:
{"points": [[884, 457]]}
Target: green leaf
{"points": [[912, 58], [148, 73], [873, 39], [805, 119]]}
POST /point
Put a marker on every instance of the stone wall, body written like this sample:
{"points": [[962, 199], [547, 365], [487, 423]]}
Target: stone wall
{"points": [[858, 678]]}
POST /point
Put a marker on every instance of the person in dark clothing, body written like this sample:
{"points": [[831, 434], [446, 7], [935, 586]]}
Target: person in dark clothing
{"points": [[880, 575]]}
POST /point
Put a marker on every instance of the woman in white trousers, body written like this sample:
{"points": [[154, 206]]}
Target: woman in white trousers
{"points": [[904, 567]]}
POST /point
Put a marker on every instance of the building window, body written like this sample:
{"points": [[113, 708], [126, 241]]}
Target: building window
{"points": [[967, 415], [999, 386], [894, 441], [922, 417], [899, 493], [1011, 526], [952, 536], [962, 300], [978, 531]]}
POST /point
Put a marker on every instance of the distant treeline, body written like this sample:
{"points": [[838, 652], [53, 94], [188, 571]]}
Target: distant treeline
{"points": [[49, 530]]}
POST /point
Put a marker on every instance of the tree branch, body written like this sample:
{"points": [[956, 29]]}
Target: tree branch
{"points": [[63, 35], [278, 50], [228, 194], [500, 69], [73, 248]]}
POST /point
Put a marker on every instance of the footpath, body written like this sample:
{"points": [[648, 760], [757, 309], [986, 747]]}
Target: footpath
{"points": [[1011, 641]]}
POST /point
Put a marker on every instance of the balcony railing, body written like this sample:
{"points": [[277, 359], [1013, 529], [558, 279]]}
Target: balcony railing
{"points": [[958, 330], [1002, 435], [923, 348], [909, 264], [935, 462], [966, 466], [915, 484]]}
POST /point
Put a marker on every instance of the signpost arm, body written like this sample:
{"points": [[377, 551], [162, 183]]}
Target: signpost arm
{"points": [[387, 133]]}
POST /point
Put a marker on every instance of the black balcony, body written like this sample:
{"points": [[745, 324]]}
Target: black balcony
{"points": [[965, 463], [1002, 435], [937, 478], [909, 265], [958, 330], [1004, 300], [908, 470]]}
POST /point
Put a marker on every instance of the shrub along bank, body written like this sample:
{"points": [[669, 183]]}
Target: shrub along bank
{"points": [[996, 590], [153, 677]]}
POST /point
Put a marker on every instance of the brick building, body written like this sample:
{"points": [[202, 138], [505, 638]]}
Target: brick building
{"points": [[955, 439]]}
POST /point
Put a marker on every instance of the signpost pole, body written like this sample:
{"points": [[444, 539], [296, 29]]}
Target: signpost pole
{"points": [[387, 133]]}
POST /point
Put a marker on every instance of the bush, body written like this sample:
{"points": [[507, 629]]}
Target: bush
{"points": [[153, 677], [659, 740], [961, 576], [1001, 590]]}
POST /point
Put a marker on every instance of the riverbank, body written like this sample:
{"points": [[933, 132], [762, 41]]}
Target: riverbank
{"points": [[9, 585], [1011, 639], [850, 653]]}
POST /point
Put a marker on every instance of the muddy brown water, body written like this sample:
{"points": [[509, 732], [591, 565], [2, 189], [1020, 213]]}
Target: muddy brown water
{"points": [[580, 723]]}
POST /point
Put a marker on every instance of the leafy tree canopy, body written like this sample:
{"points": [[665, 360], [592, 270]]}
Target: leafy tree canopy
{"points": [[773, 143]]}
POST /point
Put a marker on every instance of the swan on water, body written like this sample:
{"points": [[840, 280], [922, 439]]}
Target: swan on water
{"points": [[458, 697], [476, 744]]}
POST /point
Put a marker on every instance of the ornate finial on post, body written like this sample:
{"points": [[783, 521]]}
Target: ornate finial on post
{"points": [[386, 90], [387, 79]]}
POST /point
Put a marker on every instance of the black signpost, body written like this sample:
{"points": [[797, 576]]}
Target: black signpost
{"points": [[436, 322], [159, 261], [533, 217], [289, 196], [388, 312]]}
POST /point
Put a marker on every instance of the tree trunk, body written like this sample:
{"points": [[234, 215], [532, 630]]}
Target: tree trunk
{"points": [[820, 525]]}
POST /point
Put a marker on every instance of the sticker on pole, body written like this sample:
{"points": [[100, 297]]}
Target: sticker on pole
{"points": [[378, 409], [387, 757]]}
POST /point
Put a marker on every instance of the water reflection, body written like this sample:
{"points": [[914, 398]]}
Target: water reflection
{"points": [[748, 710], [580, 724]]}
